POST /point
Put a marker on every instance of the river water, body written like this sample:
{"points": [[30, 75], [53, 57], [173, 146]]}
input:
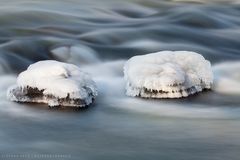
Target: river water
{"points": [[205, 126]]}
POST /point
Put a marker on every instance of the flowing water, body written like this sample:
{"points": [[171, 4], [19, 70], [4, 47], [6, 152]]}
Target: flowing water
{"points": [[205, 126]]}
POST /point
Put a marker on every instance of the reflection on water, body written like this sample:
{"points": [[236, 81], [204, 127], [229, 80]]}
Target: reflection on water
{"points": [[99, 37]]}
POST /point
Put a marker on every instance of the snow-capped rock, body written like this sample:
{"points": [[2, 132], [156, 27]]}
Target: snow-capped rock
{"points": [[167, 74], [54, 83]]}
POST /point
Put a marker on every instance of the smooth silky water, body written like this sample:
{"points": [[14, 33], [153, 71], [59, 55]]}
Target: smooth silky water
{"points": [[205, 126]]}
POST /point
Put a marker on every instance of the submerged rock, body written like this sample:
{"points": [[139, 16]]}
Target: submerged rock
{"points": [[75, 54], [167, 74], [227, 78], [54, 83]]}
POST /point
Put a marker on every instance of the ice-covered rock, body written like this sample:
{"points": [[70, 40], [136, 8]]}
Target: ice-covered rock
{"points": [[54, 83], [167, 74]]}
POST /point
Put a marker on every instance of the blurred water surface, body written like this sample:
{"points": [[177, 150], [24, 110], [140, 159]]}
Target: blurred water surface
{"points": [[99, 36]]}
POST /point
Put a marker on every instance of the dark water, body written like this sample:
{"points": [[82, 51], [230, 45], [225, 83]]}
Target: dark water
{"points": [[202, 127]]}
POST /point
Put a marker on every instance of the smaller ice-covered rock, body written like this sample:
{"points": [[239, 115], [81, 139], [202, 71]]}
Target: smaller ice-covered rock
{"points": [[54, 83], [167, 74]]}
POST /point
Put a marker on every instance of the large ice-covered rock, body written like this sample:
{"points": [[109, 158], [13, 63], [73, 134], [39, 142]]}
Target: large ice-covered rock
{"points": [[54, 83], [167, 74]]}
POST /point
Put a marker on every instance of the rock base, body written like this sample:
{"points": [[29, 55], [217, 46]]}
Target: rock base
{"points": [[34, 95]]}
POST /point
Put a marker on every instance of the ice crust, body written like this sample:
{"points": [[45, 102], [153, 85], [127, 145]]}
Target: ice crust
{"points": [[167, 74], [60, 83]]}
